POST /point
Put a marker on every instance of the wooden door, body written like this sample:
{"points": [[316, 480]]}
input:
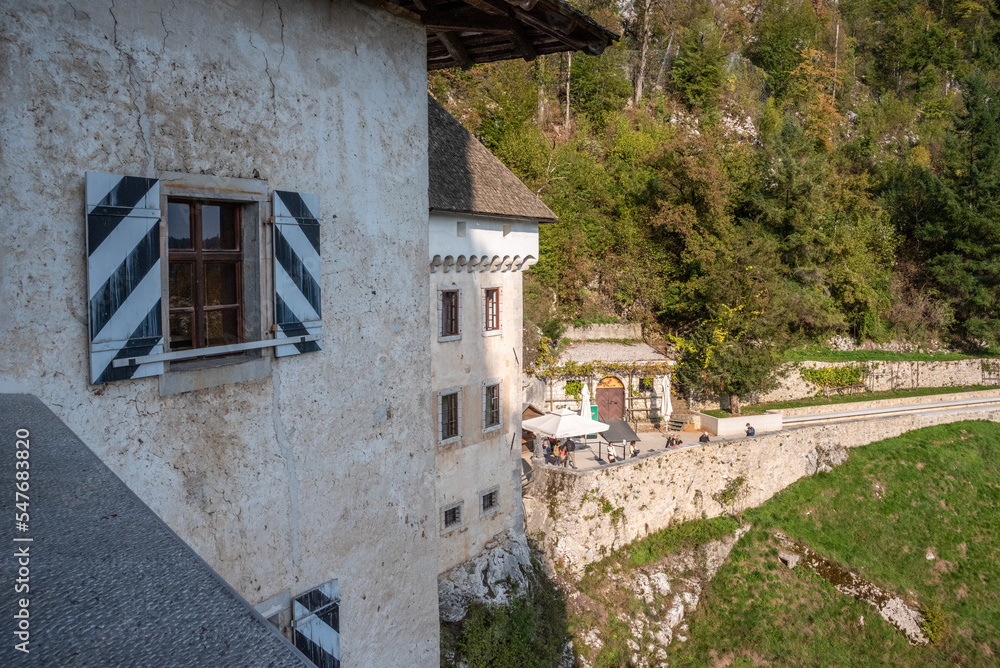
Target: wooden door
{"points": [[610, 397]]}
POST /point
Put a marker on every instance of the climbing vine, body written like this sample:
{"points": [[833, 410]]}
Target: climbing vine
{"points": [[547, 368], [836, 377]]}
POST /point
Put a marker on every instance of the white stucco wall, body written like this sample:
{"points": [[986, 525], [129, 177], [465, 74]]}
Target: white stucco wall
{"points": [[480, 461], [278, 482]]}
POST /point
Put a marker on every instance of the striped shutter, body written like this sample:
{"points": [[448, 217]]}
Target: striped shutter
{"points": [[317, 624], [123, 274], [297, 301]]}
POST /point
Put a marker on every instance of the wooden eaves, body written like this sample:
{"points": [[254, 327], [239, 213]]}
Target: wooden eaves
{"points": [[461, 33]]}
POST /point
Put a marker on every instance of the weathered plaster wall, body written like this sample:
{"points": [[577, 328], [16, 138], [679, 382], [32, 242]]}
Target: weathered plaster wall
{"points": [[580, 516], [885, 376], [277, 482], [481, 460]]}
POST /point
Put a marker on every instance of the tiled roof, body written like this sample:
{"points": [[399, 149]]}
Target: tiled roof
{"points": [[464, 177]]}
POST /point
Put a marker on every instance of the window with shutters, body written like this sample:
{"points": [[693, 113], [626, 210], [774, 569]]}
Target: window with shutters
{"points": [[492, 406], [491, 311], [177, 279], [449, 314], [450, 415]]}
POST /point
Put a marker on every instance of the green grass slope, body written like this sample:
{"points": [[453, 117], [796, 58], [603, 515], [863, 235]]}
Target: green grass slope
{"points": [[935, 490]]}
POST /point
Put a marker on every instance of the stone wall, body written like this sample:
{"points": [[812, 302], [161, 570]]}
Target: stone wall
{"points": [[279, 481], [579, 517], [594, 332], [884, 376]]}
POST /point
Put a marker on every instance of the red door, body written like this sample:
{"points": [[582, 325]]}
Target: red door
{"points": [[610, 397]]}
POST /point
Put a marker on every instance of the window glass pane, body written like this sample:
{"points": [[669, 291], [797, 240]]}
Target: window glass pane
{"points": [[178, 225], [222, 327], [181, 331], [221, 282], [449, 313], [218, 226], [181, 295]]}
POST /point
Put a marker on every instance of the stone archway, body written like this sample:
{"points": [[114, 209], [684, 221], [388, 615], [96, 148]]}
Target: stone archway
{"points": [[610, 399]]}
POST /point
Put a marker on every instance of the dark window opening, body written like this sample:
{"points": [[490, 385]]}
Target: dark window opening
{"points": [[491, 500], [491, 308], [449, 313], [205, 267], [452, 516], [449, 416]]}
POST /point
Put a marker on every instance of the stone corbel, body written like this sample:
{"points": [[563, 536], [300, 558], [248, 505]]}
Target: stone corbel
{"points": [[435, 263]]}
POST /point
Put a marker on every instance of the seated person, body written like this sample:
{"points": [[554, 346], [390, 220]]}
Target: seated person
{"points": [[611, 454], [750, 430], [632, 449], [704, 438]]}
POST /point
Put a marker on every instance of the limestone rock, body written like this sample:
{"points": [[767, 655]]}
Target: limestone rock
{"points": [[789, 559], [500, 572], [660, 583]]}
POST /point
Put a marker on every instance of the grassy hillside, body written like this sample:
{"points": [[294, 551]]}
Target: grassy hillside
{"points": [[936, 492]]}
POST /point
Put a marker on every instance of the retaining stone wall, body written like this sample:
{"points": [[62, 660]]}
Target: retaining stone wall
{"points": [[887, 376], [579, 517], [593, 332]]}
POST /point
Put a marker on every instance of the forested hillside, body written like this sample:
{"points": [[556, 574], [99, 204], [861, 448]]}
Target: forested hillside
{"points": [[761, 173]]}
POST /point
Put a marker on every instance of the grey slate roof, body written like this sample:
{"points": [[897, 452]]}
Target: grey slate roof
{"points": [[111, 584], [464, 177]]}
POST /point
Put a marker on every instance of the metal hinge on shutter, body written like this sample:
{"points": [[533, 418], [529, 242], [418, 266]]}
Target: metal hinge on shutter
{"points": [[297, 275], [123, 275]]}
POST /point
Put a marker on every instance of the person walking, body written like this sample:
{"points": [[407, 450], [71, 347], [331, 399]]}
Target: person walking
{"points": [[571, 451]]}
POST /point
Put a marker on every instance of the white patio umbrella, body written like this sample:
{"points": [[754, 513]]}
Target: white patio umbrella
{"points": [[564, 423], [585, 410], [585, 402], [666, 393]]}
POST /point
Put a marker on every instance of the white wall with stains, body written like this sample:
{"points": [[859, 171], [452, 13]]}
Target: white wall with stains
{"points": [[276, 482], [480, 461]]}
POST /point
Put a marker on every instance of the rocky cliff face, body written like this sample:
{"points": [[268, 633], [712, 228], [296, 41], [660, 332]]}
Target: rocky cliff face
{"points": [[494, 577]]}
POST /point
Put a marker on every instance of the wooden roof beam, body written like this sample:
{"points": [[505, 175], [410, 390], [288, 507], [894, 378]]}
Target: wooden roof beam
{"points": [[555, 25], [523, 44], [437, 22], [453, 43]]}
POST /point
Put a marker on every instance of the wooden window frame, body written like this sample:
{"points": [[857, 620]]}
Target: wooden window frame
{"points": [[491, 316], [488, 407], [449, 316], [198, 257]]}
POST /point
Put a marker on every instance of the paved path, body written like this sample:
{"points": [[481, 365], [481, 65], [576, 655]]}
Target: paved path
{"points": [[654, 443]]}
